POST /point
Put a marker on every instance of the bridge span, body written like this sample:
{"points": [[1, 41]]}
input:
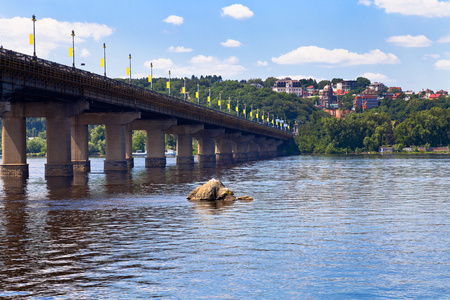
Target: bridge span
{"points": [[71, 99]]}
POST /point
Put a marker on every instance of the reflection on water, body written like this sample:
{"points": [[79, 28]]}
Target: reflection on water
{"points": [[320, 227]]}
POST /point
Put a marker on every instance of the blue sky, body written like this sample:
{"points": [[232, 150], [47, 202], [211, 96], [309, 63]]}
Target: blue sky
{"points": [[402, 43]]}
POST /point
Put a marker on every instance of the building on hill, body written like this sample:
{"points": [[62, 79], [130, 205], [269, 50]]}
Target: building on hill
{"points": [[347, 85], [366, 100], [376, 86], [328, 99], [287, 85]]}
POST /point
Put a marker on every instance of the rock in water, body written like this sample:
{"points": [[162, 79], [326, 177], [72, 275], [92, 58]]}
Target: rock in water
{"points": [[211, 191], [245, 198]]}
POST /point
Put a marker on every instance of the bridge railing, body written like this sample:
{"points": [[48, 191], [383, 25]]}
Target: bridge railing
{"points": [[18, 62]]}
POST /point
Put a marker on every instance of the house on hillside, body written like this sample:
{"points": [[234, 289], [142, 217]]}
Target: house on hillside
{"points": [[288, 85]]}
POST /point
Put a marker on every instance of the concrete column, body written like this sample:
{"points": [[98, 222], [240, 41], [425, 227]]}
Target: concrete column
{"points": [[224, 148], [272, 148], [58, 146], [80, 146], [183, 134], [114, 134], [240, 146], [14, 147], [156, 157], [263, 148], [206, 156], [115, 148], [129, 147], [252, 151]]}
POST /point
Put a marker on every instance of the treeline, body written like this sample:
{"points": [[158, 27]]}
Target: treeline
{"points": [[370, 130]]}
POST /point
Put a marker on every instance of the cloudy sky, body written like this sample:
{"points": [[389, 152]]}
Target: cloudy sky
{"points": [[402, 43]]}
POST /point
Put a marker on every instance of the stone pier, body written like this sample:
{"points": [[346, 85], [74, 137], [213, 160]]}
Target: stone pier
{"points": [[156, 157], [14, 146], [240, 148], [115, 125], [263, 147], [224, 148], [183, 134], [206, 156]]}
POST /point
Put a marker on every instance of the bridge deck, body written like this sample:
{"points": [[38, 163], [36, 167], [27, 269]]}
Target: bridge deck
{"points": [[24, 76]]}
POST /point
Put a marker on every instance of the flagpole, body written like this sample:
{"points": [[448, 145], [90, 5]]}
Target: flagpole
{"points": [[220, 101], [209, 98], [198, 94]]}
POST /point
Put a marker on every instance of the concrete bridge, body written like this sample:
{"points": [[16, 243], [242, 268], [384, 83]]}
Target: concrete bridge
{"points": [[71, 99]]}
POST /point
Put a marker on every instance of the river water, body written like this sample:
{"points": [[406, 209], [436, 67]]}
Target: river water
{"points": [[320, 227]]}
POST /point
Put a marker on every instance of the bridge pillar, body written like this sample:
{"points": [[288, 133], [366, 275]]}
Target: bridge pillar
{"points": [[224, 148], [115, 125], [240, 146], [252, 151], [129, 147], [263, 147], [80, 146], [272, 148], [206, 156], [183, 134], [14, 147], [156, 156], [58, 146]]}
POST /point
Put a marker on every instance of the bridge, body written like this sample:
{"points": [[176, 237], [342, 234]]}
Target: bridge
{"points": [[71, 99]]}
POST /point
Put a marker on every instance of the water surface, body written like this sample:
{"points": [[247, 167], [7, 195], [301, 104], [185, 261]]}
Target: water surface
{"points": [[321, 227]]}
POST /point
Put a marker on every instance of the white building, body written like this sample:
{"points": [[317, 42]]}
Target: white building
{"points": [[287, 85]]}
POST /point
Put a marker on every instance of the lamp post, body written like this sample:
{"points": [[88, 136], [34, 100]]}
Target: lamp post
{"points": [[151, 76], [73, 48], [169, 82], [220, 101], [34, 35], [104, 59], [184, 79], [129, 57], [198, 94]]}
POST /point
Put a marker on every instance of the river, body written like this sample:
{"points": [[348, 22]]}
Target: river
{"points": [[320, 227]]}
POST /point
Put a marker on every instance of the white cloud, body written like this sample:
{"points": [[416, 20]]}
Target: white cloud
{"points": [[410, 41], [432, 56], [298, 77], [175, 20], [377, 77], [200, 65], [425, 8], [262, 63], [335, 57], [179, 49], [237, 11], [50, 34], [231, 43], [160, 64], [445, 39], [443, 64], [85, 52], [365, 2]]}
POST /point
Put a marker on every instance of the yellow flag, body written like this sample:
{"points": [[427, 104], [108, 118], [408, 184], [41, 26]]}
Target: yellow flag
{"points": [[219, 103], [102, 62], [250, 113], [244, 111], [196, 94], [267, 120], [149, 78], [182, 90], [128, 70], [31, 39], [70, 51], [228, 105], [168, 84], [257, 116], [237, 108], [209, 99]]}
